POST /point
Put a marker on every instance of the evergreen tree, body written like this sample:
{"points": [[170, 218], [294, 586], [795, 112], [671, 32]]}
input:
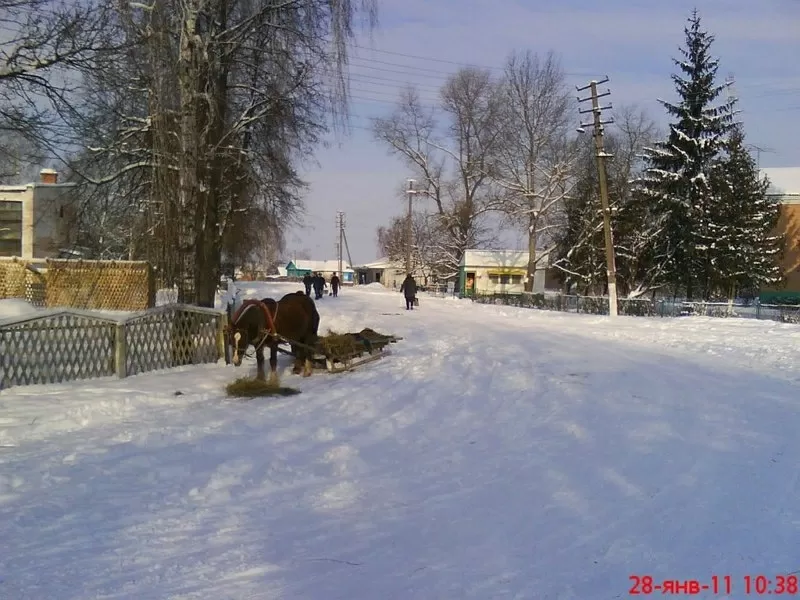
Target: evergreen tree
{"points": [[580, 250], [579, 253], [747, 248], [677, 180]]}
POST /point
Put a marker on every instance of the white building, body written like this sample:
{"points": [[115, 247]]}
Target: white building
{"points": [[499, 272], [386, 272]]}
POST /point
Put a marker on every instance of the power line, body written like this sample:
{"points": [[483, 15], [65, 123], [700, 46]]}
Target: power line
{"points": [[394, 84], [433, 59], [427, 58]]}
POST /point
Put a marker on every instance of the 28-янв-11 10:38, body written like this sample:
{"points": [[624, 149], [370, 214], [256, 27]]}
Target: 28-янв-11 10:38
{"points": [[776, 585]]}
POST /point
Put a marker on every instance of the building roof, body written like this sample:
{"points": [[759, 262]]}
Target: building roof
{"points": [[500, 258], [783, 180], [383, 263], [787, 198], [324, 266]]}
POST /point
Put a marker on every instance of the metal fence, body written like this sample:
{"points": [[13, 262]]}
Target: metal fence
{"points": [[67, 345], [641, 307]]}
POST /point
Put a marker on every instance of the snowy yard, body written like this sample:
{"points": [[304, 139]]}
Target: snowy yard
{"points": [[498, 453]]}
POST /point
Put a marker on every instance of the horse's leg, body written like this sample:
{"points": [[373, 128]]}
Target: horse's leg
{"points": [[297, 359], [308, 367], [273, 363], [260, 364], [308, 354]]}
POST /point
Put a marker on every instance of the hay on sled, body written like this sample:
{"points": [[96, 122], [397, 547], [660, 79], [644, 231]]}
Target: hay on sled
{"points": [[342, 346], [339, 345]]}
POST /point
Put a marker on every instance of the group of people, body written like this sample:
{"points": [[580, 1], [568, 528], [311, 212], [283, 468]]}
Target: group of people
{"points": [[317, 281]]}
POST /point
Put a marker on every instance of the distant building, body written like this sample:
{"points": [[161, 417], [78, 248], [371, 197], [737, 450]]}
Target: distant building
{"points": [[785, 190], [499, 272], [299, 268], [38, 220], [387, 272]]}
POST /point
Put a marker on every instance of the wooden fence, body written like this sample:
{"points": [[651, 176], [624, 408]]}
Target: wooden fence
{"points": [[82, 284], [21, 279], [60, 346], [100, 284]]}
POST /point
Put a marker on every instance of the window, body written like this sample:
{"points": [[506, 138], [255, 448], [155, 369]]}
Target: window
{"points": [[496, 279], [10, 228]]}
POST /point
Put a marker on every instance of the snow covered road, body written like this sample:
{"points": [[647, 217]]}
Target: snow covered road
{"points": [[498, 453]]}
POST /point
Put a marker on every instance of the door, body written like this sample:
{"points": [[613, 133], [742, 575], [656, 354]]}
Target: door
{"points": [[470, 284]]}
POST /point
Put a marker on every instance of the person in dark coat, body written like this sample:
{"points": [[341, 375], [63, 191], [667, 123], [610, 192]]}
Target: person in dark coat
{"points": [[307, 280], [335, 285], [409, 289], [319, 285]]}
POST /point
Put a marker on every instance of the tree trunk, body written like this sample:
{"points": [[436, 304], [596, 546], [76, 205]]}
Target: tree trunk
{"points": [[187, 164], [531, 253]]}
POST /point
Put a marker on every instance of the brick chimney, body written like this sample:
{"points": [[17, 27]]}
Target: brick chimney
{"points": [[48, 176]]}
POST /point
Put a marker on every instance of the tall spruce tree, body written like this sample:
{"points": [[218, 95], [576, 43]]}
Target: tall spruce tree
{"points": [[677, 178], [747, 247]]}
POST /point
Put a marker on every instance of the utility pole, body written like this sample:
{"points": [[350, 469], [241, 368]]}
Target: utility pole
{"points": [[601, 155], [410, 192], [339, 246]]}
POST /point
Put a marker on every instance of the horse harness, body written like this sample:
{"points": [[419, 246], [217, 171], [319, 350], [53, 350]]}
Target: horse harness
{"points": [[265, 333]]}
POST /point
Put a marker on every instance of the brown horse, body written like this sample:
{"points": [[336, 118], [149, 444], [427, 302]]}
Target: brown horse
{"points": [[293, 318]]}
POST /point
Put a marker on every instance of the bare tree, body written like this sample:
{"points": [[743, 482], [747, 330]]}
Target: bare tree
{"points": [[20, 157], [205, 115], [42, 46], [454, 159], [425, 256], [537, 159]]}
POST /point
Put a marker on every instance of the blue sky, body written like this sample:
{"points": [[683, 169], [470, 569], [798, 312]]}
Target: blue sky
{"points": [[631, 41]]}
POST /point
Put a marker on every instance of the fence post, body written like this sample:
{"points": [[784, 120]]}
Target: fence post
{"points": [[121, 351], [222, 347]]}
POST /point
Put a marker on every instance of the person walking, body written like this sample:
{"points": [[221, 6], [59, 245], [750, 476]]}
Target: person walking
{"points": [[409, 289], [319, 283], [307, 280], [335, 285]]}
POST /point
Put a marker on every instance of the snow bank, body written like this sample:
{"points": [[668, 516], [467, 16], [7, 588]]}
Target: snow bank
{"points": [[497, 453], [13, 307]]}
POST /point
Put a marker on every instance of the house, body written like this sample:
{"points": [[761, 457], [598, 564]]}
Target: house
{"points": [[299, 268], [498, 272], [37, 220], [387, 272], [785, 190]]}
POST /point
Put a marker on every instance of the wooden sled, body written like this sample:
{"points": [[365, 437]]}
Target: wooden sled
{"points": [[366, 346]]}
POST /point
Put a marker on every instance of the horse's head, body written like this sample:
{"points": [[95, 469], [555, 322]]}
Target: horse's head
{"points": [[246, 325], [239, 340]]}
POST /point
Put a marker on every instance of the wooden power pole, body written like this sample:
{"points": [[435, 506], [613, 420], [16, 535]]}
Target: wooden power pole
{"points": [[340, 249], [410, 192], [601, 155]]}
